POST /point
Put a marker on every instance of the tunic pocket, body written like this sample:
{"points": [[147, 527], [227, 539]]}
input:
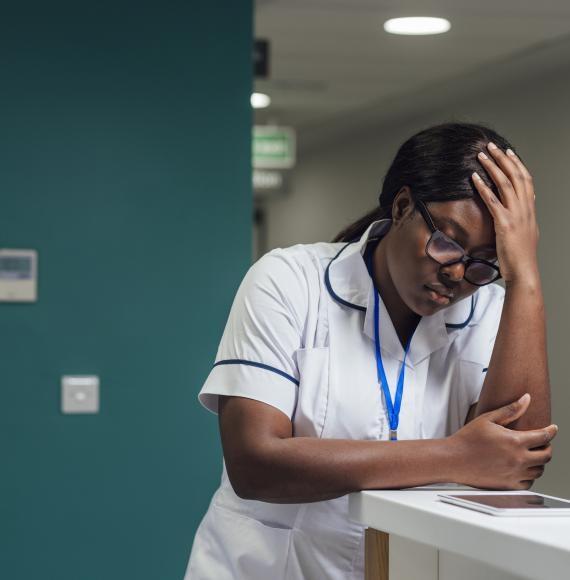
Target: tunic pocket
{"points": [[312, 400], [233, 546]]}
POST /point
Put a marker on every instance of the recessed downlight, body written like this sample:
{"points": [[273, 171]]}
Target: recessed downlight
{"points": [[260, 100], [417, 25]]}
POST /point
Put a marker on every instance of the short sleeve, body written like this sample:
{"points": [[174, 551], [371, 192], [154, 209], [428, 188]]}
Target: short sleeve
{"points": [[477, 350], [256, 356]]}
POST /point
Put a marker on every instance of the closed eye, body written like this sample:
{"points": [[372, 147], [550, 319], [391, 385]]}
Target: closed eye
{"points": [[487, 258], [481, 254], [484, 253]]}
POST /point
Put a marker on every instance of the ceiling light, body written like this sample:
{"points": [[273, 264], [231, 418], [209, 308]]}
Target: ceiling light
{"points": [[260, 101], [417, 25]]}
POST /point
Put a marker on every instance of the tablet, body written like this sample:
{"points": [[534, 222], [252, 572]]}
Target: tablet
{"points": [[514, 503]]}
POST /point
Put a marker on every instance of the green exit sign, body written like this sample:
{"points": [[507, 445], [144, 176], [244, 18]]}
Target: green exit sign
{"points": [[273, 147]]}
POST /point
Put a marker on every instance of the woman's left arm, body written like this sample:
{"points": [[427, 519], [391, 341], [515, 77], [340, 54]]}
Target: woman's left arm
{"points": [[519, 361]]}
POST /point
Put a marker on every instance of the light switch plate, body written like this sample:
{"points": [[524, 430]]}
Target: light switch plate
{"points": [[80, 394]]}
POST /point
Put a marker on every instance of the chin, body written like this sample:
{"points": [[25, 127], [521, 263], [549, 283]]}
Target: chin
{"points": [[421, 308], [427, 310]]}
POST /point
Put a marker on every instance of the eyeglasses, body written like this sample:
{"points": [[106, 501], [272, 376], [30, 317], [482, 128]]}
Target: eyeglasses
{"points": [[446, 251]]}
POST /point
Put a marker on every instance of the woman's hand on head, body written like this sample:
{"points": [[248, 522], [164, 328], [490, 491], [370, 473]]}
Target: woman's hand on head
{"points": [[514, 215]]}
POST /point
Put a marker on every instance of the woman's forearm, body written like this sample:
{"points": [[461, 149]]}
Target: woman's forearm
{"points": [[306, 469], [519, 361]]}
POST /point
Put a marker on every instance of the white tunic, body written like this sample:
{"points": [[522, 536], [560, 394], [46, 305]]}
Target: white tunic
{"points": [[300, 337]]}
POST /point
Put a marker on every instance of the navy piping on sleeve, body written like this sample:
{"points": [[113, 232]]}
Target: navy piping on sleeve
{"points": [[237, 361], [486, 369]]}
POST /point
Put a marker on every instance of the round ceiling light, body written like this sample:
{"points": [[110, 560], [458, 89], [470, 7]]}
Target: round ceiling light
{"points": [[417, 25], [260, 100]]}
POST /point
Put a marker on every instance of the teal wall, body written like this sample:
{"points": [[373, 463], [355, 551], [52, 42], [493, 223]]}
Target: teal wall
{"points": [[124, 160]]}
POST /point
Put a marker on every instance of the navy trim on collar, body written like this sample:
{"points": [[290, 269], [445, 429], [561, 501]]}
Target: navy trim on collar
{"points": [[363, 309], [464, 324], [330, 289]]}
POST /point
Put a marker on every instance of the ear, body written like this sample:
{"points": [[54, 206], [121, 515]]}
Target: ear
{"points": [[403, 207]]}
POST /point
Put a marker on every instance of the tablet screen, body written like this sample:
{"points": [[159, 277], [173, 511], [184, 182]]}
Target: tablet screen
{"points": [[516, 501]]}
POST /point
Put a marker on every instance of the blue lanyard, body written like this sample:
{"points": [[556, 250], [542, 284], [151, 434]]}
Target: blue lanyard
{"points": [[393, 409]]}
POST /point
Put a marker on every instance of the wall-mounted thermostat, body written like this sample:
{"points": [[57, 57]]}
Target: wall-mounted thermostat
{"points": [[18, 275]]}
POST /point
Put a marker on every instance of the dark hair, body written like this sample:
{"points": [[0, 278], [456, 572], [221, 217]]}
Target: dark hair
{"points": [[436, 164]]}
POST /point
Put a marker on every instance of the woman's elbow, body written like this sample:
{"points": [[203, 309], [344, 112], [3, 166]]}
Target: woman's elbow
{"points": [[247, 478]]}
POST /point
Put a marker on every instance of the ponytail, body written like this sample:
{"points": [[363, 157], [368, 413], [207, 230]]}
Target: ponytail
{"points": [[355, 230]]}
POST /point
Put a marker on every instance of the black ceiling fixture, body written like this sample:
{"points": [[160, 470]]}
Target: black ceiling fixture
{"points": [[261, 59]]}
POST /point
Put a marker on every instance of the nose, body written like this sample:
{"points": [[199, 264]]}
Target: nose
{"points": [[454, 272]]}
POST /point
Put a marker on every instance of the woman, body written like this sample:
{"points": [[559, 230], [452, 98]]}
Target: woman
{"points": [[386, 359]]}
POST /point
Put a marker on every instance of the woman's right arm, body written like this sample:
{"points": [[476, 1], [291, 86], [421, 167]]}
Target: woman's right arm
{"points": [[266, 462]]}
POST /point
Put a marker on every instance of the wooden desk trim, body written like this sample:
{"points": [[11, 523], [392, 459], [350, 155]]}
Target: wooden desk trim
{"points": [[377, 554]]}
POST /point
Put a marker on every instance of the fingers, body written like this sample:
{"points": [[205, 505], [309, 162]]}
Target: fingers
{"points": [[537, 437], [499, 167], [488, 196], [535, 471], [509, 169], [539, 458], [508, 173], [511, 412], [527, 177]]}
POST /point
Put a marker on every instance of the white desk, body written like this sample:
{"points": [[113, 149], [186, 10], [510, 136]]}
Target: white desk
{"points": [[427, 539]]}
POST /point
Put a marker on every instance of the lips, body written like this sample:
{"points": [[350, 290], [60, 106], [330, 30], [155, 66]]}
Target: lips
{"points": [[442, 292]]}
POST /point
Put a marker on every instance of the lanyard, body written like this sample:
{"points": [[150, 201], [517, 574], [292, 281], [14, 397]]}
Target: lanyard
{"points": [[393, 409]]}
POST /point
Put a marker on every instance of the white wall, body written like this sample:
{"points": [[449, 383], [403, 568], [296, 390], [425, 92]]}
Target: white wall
{"points": [[336, 184]]}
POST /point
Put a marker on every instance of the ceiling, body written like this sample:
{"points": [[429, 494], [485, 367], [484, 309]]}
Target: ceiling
{"points": [[332, 66]]}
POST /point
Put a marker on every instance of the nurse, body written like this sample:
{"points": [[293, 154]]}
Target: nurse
{"points": [[385, 359]]}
